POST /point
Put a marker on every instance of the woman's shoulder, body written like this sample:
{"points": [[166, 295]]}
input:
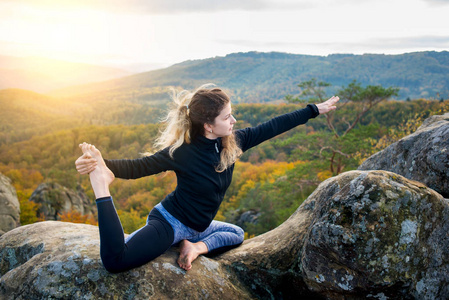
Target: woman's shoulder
{"points": [[240, 134]]}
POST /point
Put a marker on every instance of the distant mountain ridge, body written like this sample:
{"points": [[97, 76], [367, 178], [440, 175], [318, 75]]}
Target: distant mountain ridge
{"points": [[267, 77]]}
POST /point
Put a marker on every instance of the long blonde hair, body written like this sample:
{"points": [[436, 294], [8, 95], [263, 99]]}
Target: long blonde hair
{"points": [[187, 116]]}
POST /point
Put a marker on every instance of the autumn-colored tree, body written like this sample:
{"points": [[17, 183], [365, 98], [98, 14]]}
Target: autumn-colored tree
{"points": [[75, 216], [263, 181], [28, 209]]}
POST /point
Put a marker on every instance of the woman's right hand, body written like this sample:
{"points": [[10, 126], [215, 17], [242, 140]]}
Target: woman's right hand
{"points": [[85, 164], [328, 105]]}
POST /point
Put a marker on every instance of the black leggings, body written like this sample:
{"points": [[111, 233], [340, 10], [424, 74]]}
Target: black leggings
{"points": [[148, 243]]}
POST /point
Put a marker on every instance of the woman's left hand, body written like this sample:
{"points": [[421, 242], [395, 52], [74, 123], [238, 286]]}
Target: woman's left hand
{"points": [[327, 105], [85, 164]]}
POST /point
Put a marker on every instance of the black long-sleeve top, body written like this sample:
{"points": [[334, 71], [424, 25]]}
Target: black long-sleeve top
{"points": [[200, 189]]}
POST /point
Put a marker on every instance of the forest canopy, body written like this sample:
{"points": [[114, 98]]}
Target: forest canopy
{"points": [[40, 136]]}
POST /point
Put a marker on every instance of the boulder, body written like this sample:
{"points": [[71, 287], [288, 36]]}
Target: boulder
{"points": [[9, 206], [64, 263], [248, 217], [55, 199], [422, 156], [360, 235]]}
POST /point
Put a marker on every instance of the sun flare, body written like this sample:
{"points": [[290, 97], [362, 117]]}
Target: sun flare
{"points": [[67, 34]]}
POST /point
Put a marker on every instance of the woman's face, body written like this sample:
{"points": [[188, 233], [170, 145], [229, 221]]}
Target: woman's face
{"points": [[223, 125]]}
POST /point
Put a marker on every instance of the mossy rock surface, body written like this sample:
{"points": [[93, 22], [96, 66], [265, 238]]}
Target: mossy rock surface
{"points": [[360, 235]]}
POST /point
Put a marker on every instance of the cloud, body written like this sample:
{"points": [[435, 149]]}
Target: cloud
{"points": [[427, 41], [374, 45], [381, 43], [168, 6], [258, 44], [437, 2]]}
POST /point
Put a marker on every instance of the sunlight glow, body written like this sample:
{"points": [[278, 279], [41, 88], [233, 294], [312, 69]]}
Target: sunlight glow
{"points": [[114, 32], [60, 34]]}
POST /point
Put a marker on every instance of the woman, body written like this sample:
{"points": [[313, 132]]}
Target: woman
{"points": [[200, 146]]}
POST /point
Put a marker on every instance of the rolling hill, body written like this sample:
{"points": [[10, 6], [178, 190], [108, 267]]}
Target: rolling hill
{"points": [[25, 113], [268, 77]]}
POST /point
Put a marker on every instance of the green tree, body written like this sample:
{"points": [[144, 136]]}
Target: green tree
{"points": [[340, 143]]}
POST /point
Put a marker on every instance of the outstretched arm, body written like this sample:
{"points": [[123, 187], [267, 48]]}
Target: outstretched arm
{"points": [[128, 168], [252, 136]]}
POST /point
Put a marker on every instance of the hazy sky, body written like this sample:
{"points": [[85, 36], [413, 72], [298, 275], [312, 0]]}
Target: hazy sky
{"points": [[114, 32]]}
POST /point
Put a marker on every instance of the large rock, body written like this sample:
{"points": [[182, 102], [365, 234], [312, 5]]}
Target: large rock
{"points": [[64, 263], [9, 205], [243, 219], [422, 156], [360, 235], [55, 199]]}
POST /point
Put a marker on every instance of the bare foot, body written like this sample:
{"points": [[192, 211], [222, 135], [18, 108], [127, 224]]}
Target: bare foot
{"points": [[101, 177], [188, 252]]}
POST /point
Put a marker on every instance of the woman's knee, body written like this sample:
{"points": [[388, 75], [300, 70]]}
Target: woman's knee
{"points": [[240, 233], [112, 266]]}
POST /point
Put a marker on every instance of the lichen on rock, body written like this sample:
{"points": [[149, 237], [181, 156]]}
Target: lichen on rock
{"points": [[64, 263], [379, 229], [362, 234], [359, 235]]}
